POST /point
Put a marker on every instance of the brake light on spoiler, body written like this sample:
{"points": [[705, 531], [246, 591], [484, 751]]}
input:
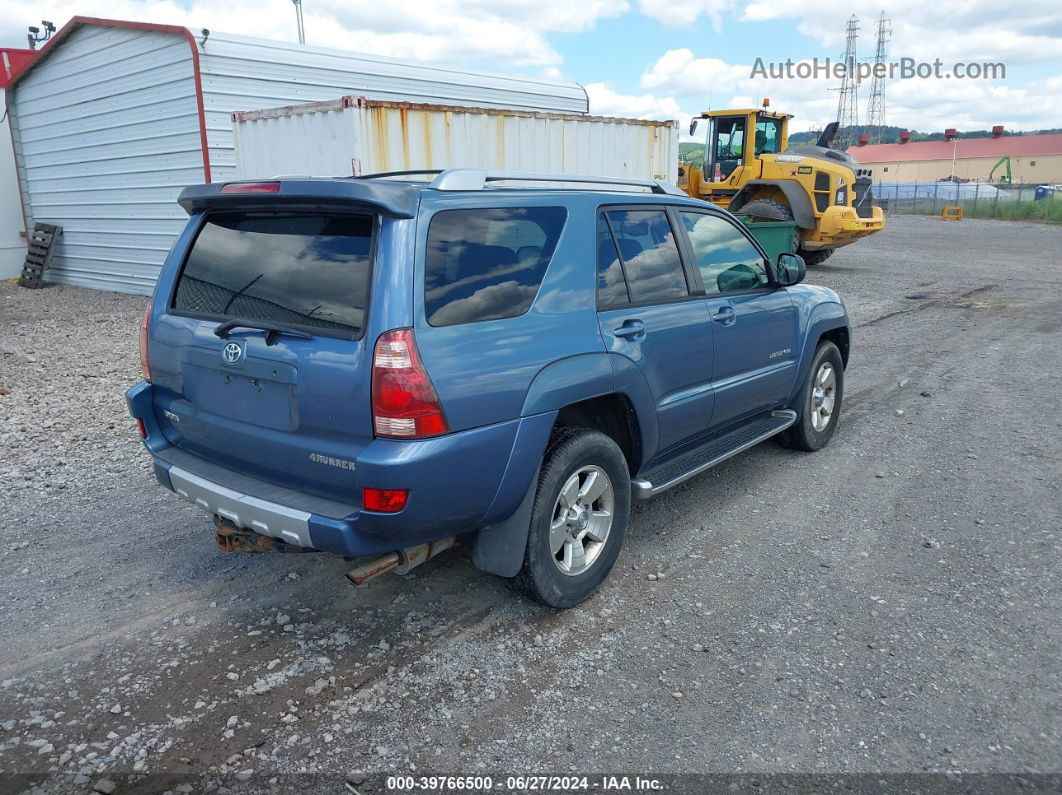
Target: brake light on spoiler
{"points": [[251, 187]]}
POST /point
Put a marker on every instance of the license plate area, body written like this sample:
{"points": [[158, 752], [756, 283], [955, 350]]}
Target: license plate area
{"points": [[259, 392]]}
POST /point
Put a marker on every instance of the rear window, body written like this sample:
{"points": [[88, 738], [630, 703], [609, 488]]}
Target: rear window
{"points": [[301, 270], [487, 264]]}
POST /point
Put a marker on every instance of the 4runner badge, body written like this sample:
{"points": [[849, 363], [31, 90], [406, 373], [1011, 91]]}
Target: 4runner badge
{"points": [[341, 463]]}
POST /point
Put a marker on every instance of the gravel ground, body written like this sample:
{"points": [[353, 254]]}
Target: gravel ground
{"points": [[891, 604]]}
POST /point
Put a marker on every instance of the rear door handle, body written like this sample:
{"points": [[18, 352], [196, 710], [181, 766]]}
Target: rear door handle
{"points": [[725, 315], [631, 330]]}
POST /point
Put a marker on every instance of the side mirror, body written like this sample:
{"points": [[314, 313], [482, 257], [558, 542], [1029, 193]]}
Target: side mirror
{"points": [[693, 127], [790, 269]]}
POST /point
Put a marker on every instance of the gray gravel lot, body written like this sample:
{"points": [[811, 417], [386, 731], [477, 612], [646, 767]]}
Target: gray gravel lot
{"points": [[892, 603]]}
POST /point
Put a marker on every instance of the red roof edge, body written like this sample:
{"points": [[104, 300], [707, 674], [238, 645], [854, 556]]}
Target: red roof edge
{"points": [[12, 60], [176, 30], [76, 22]]}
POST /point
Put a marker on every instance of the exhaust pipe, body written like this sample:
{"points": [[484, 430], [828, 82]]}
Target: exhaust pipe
{"points": [[400, 562], [231, 538]]}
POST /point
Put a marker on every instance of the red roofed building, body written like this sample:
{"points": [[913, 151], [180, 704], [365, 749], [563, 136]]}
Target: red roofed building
{"points": [[1033, 159]]}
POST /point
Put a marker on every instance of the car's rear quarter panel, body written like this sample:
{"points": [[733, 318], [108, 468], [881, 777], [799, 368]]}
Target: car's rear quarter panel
{"points": [[484, 371]]}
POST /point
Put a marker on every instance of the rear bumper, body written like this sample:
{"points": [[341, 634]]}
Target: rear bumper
{"points": [[458, 483]]}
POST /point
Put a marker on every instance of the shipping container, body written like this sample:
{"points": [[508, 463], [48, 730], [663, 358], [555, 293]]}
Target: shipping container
{"points": [[112, 118], [352, 136]]}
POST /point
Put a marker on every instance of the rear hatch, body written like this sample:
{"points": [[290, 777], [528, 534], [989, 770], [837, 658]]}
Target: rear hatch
{"points": [[260, 360]]}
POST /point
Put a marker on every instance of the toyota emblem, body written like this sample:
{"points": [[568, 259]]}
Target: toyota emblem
{"points": [[232, 352]]}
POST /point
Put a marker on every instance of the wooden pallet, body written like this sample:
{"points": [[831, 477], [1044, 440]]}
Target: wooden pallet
{"points": [[39, 251]]}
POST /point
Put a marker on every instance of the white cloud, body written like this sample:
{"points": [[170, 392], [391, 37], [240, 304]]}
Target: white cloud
{"points": [[971, 30], [686, 13], [453, 31], [682, 72], [713, 83], [930, 106], [606, 102]]}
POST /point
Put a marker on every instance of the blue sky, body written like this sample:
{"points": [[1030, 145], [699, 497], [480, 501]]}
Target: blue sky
{"points": [[662, 58]]}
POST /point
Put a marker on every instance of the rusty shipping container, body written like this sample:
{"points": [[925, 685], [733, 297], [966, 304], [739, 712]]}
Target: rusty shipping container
{"points": [[352, 136]]}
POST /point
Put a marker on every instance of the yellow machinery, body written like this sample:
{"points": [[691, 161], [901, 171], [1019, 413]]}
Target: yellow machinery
{"points": [[750, 169]]}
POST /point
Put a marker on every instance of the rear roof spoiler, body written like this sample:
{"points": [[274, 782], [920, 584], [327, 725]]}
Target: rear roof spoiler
{"points": [[390, 198]]}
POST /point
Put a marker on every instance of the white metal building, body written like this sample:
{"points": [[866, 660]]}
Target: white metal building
{"points": [[114, 118], [12, 245]]}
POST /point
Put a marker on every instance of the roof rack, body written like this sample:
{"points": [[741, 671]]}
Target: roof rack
{"points": [[383, 174], [459, 179], [477, 178]]}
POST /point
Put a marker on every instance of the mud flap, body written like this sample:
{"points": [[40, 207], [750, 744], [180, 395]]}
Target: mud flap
{"points": [[499, 549]]}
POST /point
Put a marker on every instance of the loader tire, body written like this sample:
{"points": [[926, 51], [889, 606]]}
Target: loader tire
{"points": [[767, 210], [816, 257]]}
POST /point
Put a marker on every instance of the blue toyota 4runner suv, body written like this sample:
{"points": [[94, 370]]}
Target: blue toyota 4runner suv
{"points": [[376, 366]]}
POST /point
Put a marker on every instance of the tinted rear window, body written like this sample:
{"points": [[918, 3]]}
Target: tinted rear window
{"points": [[293, 269], [487, 264]]}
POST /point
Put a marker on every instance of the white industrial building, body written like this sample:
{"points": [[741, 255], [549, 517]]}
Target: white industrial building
{"points": [[12, 244], [113, 118]]}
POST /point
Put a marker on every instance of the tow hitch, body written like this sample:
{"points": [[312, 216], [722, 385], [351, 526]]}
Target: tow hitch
{"points": [[399, 562], [231, 538]]}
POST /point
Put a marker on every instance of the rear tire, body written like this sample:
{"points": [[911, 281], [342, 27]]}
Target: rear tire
{"points": [[818, 405], [816, 257], [580, 514]]}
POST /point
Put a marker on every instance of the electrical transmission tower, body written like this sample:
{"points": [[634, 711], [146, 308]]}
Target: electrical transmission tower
{"points": [[848, 99], [876, 106]]}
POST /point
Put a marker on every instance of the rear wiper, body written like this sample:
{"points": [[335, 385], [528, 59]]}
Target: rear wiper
{"points": [[272, 331]]}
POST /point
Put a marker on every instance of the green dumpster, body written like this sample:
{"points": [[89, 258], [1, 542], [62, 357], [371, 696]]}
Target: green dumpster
{"points": [[776, 237]]}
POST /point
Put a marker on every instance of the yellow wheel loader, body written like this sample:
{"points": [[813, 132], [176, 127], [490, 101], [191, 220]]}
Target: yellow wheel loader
{"points": [[750, 169]]}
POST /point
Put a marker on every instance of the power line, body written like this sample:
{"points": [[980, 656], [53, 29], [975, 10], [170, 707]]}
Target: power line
{"points": [[848, 98], [876, 106]]}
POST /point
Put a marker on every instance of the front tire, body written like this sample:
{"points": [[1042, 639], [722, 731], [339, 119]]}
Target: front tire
{"points": [[818, 405], [816, 256], [579, 518]]}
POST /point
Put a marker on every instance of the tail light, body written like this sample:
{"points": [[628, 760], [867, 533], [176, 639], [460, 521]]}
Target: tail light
{"points": [[404, 402], [145, 365]]}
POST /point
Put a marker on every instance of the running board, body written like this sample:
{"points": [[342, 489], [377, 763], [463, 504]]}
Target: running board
{"points": [[710, 453]]}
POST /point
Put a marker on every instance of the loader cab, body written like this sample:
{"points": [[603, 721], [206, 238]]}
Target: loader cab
{"points": [[736, 138]]}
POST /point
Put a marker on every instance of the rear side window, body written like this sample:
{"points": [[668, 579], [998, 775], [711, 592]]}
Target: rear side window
{"points": [[299, 270], [487, 264], [611, 286], [646, 244]]}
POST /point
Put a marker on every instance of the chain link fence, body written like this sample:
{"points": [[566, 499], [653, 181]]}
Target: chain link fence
{"points": [[1039, 203]]}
